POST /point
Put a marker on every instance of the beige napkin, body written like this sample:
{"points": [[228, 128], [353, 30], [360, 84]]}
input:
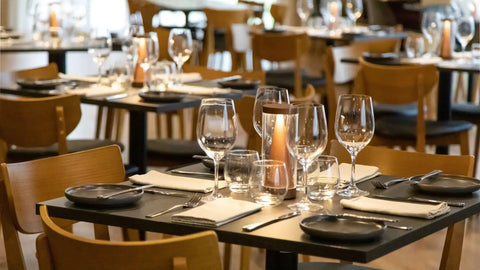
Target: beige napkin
{"points": [[71, 77], [362, 172], [419, 210], [199, 90], [421, 60], [169, 181], [95, 91], [216, 213], [186, 77]]}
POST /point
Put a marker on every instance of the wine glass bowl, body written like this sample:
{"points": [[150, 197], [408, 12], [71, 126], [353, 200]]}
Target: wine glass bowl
{"points": [[147, 54], [431, 29], [180, 47], [216, 132], [99, 48], [267, 95], [307, 139], [354, 128], [354, 10], [304, 9], [465, 30]]}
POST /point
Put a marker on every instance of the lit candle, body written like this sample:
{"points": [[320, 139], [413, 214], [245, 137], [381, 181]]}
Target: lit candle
{"points": [[53, 19], [139, 76], [334, 9], [446, 42]]}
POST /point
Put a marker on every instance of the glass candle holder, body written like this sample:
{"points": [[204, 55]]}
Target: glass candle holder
{"points": [[447, 42]]}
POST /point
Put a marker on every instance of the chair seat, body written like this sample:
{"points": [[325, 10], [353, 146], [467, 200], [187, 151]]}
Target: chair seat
{"points": [[331, 266], [285, 78], [72, 146], [174, 147], [466, 111], [405, 127], [384, 110]]}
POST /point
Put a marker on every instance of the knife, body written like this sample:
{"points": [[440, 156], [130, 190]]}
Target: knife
{"points": [[416, 199], [366, 217], [166, 193], [254, 226]]}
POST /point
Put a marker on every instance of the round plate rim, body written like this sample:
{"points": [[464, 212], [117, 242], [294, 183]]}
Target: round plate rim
{"points": [[447, 190], [112, 202]]}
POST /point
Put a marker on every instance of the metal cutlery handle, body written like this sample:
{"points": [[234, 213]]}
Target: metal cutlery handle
{"points": [[407, 228], [191, 173], [107, 196], [175, 207], [369, 218], [430, 174], [254, 226], [457, 204]]}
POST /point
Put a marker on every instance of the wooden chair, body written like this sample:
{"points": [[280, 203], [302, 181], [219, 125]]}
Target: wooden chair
{"points": [[147, 9], [220, 20], [309, 97], [59, 249], [281, 47], [38, 127], [278, 13], [402, 85], [48, 72], [26, 183], [244, 109], [469, 112], [405, 164]]}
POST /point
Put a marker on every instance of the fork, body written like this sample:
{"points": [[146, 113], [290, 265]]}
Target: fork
{"points": [[381, 185], [194, 201]]}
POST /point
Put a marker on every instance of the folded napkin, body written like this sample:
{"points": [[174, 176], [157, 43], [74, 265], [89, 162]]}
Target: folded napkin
{"points": [[362, 172], [418, 210], [217, 212], [71, 77], [185, 77], [421, 60], [169, 181], [199, 90], [95, 91]]}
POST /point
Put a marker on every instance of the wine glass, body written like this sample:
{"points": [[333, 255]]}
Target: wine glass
{"points": [[354, 127], [266, 95], [354, 10], [147, 54], [216, 132], [431, 29], [99, 48], [304, 9], [307, 138], [465, 30], [180, 48]]}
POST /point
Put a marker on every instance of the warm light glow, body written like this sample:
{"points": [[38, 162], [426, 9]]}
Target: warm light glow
{"points": [[53, 19], [445, 46], [334, 9], [138, 76], [279, 150]]}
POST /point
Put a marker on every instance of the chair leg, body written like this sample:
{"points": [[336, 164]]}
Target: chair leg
{"points": [[452, 250], [305, 258], [464, 143], [476, 150], [245, 253], [101, 232], [227, 254]]}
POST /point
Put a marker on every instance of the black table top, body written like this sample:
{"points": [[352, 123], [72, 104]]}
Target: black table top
{"points": [[281, 236]]}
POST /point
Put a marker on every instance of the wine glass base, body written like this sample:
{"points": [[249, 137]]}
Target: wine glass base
{"points": [[352, 192], [211, 197], [305, 207]]}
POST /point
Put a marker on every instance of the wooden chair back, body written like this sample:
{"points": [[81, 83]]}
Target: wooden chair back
{"points": [[399, 85], [280, 47], [58, 249], [26, 183], [147, 9], [48, 72], [403, 163], [163, 34], [244, 110], [3, 151], [278, 13], [36, 122], [221, 19], [309, 96]]}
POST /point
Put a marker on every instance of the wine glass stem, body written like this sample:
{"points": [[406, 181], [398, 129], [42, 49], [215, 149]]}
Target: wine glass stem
{"points": [[352, 173], [305, 181], [215, 182], [146, 84], [179, 72], [99, 75]]}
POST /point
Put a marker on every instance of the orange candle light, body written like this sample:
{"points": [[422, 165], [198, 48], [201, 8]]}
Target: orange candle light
{"points": [[334, 9], [53, 19], [138, 75], [446, 48]]}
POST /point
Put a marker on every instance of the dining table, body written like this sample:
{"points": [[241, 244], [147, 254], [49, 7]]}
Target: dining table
{"points": [[283, 240], [134, 104]]}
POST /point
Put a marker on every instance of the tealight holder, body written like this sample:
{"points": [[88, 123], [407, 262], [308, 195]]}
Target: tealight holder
{"points": [[447, 41], [334, 11], [54, 29]]}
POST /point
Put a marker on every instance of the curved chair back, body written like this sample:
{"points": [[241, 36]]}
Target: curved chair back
{"points": [[244, 109], [26, 183], [48, 72], [147, 9], [35, 122], [61, 250], [278, 12]]}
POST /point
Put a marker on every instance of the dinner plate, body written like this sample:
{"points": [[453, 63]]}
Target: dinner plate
{"points": [[335, 228], [447, 184], [380, 58], [88, 195], [209, 164], [161, 96], [240, 84], [40, 84]]}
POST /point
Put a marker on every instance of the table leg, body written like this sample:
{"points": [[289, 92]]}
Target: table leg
{"points": [[471, 85], [452, 250], [138, 140], [59, 59], [276, 260], [444, 102]]}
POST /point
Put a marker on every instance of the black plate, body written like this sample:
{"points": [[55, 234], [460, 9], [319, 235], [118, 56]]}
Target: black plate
{"points": [[380, 58], [87, 195], [209, 164], [40, 84], [240, 84], [158, 96], [447, 184], [342, 228]]}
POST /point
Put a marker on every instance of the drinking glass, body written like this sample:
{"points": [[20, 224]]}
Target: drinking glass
{"points": [[306, 140], [414, 46], [354, 10], [99, 48], [269, 182], [324, 178], [216, 132], [267, 95], [476, 53], [304, 9], [180, 48], [431, 29], [354, 127], [147, 54], [465, 30], [238, 169]]}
